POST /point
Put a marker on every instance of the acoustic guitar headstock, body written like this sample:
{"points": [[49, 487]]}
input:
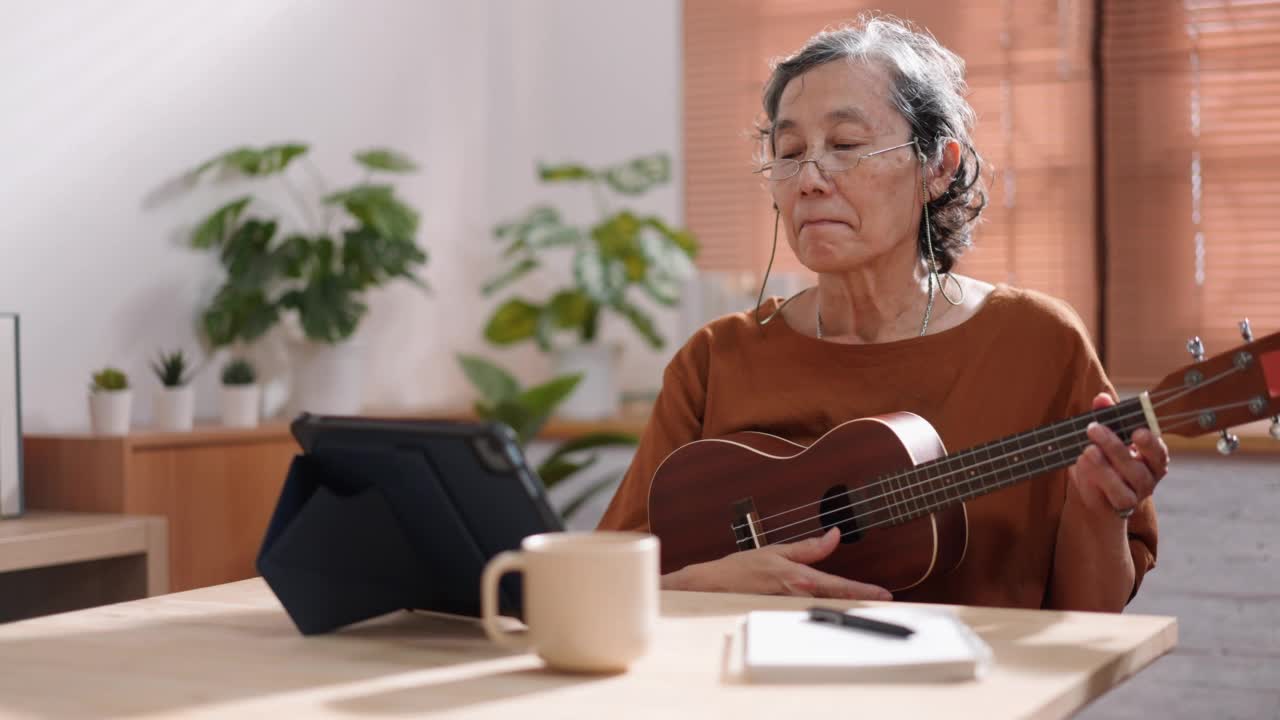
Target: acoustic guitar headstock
{"points": [[1232, 388]]}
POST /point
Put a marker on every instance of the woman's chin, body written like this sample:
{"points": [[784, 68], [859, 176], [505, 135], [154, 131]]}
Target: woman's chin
{"points": [[827, 260]]}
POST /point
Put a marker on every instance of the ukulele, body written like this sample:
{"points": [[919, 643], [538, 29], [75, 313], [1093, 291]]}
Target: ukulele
{"points": [[893, 491]]}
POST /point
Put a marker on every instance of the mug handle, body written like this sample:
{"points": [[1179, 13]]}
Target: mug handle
{"points": [[501, 564]]}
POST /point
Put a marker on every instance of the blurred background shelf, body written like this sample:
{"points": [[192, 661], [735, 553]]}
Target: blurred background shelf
{"points": [[57, 561]]}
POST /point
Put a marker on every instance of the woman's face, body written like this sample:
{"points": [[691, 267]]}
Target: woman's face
{"points": [[838, 221]]}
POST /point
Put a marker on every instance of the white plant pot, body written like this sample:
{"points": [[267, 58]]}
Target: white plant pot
{"points": [[175, 408], [597, 396], [241, 405], [329, 379], [110, 411]]}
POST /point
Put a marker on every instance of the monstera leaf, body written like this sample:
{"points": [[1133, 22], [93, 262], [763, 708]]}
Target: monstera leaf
{"points": [[377, 207], [212, 232], [495, 384], [238, 313], [639, 175], [254, 162], [385, 160], [514, 320], [328, 308], [566, 172]]}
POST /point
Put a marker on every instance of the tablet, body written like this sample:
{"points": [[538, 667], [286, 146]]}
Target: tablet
{"points": [[418, 506]]}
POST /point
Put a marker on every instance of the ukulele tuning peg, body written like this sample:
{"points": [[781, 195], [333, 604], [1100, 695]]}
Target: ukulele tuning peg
{"points": [[1246, 332], [1196, 348], [1228, 443]]}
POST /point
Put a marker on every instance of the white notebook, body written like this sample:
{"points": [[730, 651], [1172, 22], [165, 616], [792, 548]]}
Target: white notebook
{"points": [[785, 646]]}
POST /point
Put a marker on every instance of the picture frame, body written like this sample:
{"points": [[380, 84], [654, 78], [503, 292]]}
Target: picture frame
{"points": [[11, 465]]}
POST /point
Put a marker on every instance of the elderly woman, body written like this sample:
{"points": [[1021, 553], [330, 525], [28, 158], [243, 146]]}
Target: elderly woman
{"points": [[875, 179]]}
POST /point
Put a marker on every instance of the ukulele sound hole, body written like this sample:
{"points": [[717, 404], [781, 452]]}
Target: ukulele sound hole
{"points": [[836, 511]]}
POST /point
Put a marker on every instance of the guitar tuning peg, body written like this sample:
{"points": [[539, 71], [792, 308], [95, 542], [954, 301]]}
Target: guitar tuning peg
{"points": [[1246, 331], [1196, 348], [1228, 443]]}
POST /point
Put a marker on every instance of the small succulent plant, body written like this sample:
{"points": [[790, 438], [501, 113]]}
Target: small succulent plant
{"points": [[172, 369], [109, 379], [239, 372]]}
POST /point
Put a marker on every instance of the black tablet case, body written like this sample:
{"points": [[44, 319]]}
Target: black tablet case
{"points": [[377, 517]]}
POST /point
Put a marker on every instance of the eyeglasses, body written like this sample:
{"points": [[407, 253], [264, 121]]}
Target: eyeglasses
{"points": [[831, 162]]}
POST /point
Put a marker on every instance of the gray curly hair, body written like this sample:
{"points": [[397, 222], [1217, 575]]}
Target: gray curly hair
{"points": [[928, 88]]}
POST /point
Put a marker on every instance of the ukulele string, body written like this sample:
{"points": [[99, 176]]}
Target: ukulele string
{"points": [[1054, 428], [968, 481], [1064, 449], [892, 520], [1183, 392], [1159, 399], [1188, 420]]}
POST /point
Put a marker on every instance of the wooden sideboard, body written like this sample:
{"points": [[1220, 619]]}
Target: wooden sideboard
{"points": [[216, 486]]}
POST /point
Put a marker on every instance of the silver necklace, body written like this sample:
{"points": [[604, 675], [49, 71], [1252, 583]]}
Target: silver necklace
{"points": [[924, 324]]}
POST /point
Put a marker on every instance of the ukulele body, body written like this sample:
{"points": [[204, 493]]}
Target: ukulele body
{"points": [[711, 498]]}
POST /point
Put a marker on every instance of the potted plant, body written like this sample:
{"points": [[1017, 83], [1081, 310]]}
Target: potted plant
{"points": [[622, 252], [110, 402], [241, 394], [175, 404], [527, 410], [316, 272]]}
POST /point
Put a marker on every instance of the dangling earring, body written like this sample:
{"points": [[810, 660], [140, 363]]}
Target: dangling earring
{"points": [[777, 216]]}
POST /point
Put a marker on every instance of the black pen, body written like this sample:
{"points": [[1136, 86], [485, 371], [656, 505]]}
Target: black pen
{"points": [[840, 618]]}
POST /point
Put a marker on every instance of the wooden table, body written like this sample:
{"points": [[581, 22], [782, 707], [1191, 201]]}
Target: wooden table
{"points": [[230, 651], [54, 561]]}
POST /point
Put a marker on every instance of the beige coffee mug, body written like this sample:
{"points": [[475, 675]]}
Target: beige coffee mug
{"points": [[590, 598]]}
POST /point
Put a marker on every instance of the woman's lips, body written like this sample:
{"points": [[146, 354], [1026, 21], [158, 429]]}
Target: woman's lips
{"points": [[821, 223]]}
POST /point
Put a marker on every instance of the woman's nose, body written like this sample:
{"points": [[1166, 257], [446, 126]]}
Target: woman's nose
{"points": [[810, 179]]}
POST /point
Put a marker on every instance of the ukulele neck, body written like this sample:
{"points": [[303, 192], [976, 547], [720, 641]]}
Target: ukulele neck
{"points": [[960, 476]]}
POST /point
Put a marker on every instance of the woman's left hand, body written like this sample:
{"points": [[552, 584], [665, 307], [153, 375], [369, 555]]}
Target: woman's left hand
{"points": [[1111, 478]]}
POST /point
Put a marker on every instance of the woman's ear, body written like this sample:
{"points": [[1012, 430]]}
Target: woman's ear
{"points": [[942, 174]]}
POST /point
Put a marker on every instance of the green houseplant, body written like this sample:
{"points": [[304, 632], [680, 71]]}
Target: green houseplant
{"points": [[241, 396], [110, 402], [526, 410], [620, 256], [171, 369], [354, 239], [349, 240], [175, 402], [622, 250], [238, 373]]}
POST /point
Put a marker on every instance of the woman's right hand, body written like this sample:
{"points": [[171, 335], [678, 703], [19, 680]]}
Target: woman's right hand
{"points": [[781, 569]]}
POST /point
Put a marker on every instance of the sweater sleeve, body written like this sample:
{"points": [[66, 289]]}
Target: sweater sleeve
{"points": [[676, 420], [1087, 378]]}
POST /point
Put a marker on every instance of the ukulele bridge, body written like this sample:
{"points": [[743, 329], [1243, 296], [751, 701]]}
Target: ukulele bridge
{"points": [[748, 533]]}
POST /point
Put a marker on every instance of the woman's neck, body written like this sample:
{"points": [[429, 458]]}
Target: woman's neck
{"points": [[866, 305]]}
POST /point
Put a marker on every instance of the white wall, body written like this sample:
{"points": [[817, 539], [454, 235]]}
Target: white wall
{"points": [[104, 103]]}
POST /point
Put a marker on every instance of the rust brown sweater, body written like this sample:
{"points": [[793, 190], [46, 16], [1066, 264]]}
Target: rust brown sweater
{"points": [[1022, 361]]}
